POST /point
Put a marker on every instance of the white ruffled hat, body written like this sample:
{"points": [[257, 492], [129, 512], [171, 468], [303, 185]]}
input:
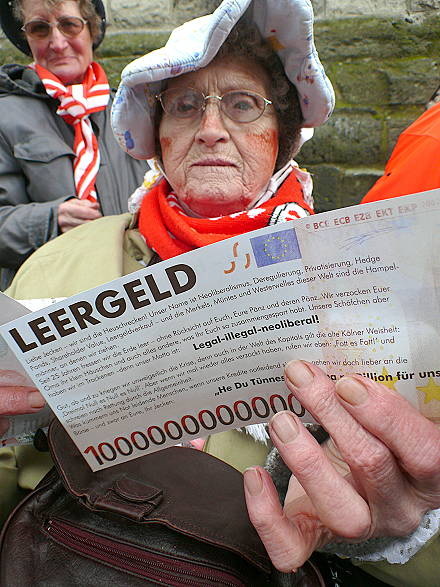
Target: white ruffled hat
{"points": [[286, 24]]}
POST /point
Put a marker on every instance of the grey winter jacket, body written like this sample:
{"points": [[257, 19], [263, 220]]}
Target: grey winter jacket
{"points": [[36, 167]]}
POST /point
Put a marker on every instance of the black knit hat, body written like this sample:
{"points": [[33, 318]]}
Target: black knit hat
{"points": [[12, 27]]}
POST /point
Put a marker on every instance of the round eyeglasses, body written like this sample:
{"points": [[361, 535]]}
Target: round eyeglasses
{"points": [[238, 105], [69, 26]]}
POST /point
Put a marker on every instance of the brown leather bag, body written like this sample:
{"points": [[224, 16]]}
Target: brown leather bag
{"points": [[175, 517]]}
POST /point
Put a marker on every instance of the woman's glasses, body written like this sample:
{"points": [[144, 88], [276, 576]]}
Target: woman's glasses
{"points": [[69, 26], [238, 105]]}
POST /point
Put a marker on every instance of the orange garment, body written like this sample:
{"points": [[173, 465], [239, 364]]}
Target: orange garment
{"points": [[414, 165]]}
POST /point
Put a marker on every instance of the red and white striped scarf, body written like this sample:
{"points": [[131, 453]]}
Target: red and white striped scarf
{"points": [[77, 102]]}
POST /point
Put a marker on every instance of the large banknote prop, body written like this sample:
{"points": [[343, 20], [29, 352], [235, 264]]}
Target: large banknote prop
{"points": [[197, 344]]}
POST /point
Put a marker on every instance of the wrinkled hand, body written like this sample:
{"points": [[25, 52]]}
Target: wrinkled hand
{"points": [[17, 396], [377, 476], [74, 212]]}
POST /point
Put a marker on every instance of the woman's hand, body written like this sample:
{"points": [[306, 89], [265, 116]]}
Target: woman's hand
{"points": [[74, 212], [17, 396], [377, 476]]}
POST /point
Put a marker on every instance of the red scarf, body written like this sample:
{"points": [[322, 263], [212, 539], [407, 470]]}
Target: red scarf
{"points": [[77, 102], [170, 232]]}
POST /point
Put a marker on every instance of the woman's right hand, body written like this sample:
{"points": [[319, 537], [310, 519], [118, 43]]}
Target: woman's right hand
{"points": [[377, 477], [17, 396], [74, 212]]}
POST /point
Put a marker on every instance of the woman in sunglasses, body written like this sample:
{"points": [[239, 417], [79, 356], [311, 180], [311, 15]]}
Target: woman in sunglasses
{"points": [[59, 163], [222, 109]]}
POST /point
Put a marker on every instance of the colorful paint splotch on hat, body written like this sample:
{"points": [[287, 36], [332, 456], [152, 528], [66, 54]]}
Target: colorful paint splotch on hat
{"points": [[129, 142]]}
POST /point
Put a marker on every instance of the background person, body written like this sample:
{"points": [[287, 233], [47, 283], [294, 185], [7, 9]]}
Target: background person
{"points": [[413, 165], [59, 163], [223, 126]]}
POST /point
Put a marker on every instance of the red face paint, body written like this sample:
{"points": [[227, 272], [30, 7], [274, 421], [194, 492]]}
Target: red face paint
{"points": [[165, 143], [266, 141]]}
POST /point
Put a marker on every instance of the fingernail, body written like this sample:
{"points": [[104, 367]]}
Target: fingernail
{"points": [[36, 400], [298, 373], [284, 426], [352, 391], [253, 481]]}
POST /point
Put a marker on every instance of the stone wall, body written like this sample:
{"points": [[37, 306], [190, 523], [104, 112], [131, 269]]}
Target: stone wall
{"points": [[374, 8], [384, 71], [133, 12], [383, 59]]}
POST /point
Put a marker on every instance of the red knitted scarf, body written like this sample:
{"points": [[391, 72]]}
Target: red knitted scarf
{"points": [[170, 232]]}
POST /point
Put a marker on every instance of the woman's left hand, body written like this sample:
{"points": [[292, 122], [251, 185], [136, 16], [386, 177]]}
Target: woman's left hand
{"points": [[377, 475]]}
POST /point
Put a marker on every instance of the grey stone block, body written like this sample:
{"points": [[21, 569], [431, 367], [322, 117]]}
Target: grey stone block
{"points": [[337, 187], [140, 13], [412, 81], [352, 138], [389, 82], [361, 83], [319, 8], [184, 10], [349, 8], [396, 124], [377, 39], [423, 5]]}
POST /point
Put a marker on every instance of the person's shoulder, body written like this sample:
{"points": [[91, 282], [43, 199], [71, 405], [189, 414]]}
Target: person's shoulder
{"points": [[9, 73], [19, 104], [20, 81], [79, 259]]}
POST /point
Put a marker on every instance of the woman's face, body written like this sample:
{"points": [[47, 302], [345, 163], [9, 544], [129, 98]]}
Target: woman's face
{"points": [[217, 166], [67, 58]]}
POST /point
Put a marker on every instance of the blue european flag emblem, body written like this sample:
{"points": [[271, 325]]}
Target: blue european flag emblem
{"points": [[276, 247]]}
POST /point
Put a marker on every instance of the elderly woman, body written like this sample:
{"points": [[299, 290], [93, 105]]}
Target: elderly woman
{"points": [[223, 125], [59, 163]]}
